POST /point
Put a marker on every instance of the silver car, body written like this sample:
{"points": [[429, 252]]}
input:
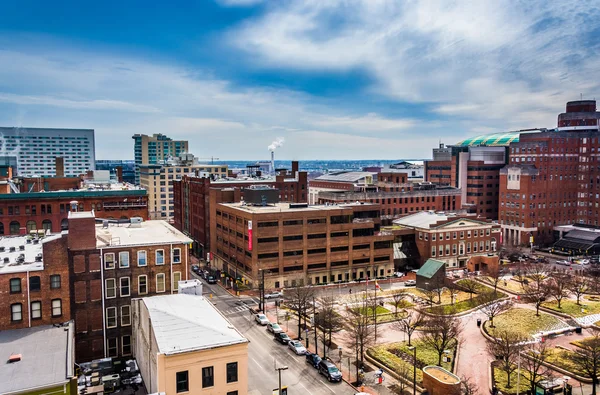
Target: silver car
{"points": [[261, 319], [297, 347]]}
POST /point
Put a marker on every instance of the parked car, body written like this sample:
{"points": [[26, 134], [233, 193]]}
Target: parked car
{"points": [[297, 347], [584, 261], [261, 319], [329, 370], [313, 360], [399, 274], [204, 273], [563, 262], [282, 337], [410, 283], [195, 268], [274, 327], [273, 295], [211, 280]]}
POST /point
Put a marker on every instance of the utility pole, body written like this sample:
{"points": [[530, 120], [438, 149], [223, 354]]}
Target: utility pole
{"points": [[261, 290], [315, 325], [375, 308], [279, 370]]}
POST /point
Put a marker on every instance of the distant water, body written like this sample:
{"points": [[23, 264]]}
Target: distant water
{"points": [[319, 165]]}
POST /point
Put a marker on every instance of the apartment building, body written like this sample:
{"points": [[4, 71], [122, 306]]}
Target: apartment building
{"points": [[33, 150], [295, 244], [183, 344], [194, 195], [151, 150]]}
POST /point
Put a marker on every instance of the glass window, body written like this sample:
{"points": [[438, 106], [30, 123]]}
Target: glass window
{"points": [[208, 377], [142, 285], [15, 285], [124, 259], [36, 310], [126, 345], [433, 251], [125, 315], [56, 308], [176, 255], [141, 258], [111, 317], [160, 257], [109, 260], [232, 372], [16, 312], [124, 285], [55, 281], [176, 279], [160, 282], [111, 288], [182, 381], [111, 346], [34, 283]]}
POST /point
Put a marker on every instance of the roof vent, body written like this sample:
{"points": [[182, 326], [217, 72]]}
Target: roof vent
{"points": [[14, 358], [12, 249], [36, 241], [28, 241], [21, 248], [2, 249], [38, 258], [6, 260]]}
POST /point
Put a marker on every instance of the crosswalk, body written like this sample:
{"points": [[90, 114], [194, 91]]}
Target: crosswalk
{"points": [[236, 310]]}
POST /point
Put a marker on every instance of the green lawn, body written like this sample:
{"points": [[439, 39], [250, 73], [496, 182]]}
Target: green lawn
{"points": [[580, 343], [501, 379], [508, 285], [571, 307], [461, 306], [560, 358], [369, 311], [478, 287], [525, 321]]}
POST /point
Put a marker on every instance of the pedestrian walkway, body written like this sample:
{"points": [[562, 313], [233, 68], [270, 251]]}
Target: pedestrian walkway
{"points": [[588, 319]]}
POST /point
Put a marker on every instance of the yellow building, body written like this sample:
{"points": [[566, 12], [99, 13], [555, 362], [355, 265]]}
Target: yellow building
{"points": [[153, 149], [184, 345]]}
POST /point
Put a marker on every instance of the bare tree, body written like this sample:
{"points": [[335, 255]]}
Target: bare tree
{"points": [[429, 296], [587, 358], [438, 286], [505, 347], [410, 323], [468, 386], [579, 285], [469, 285], [494, 276], [493, 309], [534, 363], [360, 332], [442, 333], [558, 286], [299, 299], [398, 301], [535, 288], [328, 320]]}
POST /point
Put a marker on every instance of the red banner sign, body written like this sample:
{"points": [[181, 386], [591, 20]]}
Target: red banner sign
{"points": [[249, 235]]}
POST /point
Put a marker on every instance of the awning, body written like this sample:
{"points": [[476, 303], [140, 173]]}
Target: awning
{"points": [[398, 254], [573, 245]]}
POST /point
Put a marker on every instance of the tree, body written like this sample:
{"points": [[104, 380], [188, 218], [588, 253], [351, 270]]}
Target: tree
{"points": [[328, 320], [587, 358], [558, 286], [360, 332], [494, 276], [535, 287], [442, 334], [470, 286], [534, 362], [505, 347], [578, 286], [438, 285], [468, 386], [429, 296], [493, 309], [410, 323], [299, 299], [398, 301]]}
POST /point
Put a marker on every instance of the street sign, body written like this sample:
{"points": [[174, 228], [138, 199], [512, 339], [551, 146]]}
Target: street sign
{"points": [[283, 391]]}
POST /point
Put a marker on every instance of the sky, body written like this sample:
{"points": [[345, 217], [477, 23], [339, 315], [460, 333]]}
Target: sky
{"points": [[335, 79]]}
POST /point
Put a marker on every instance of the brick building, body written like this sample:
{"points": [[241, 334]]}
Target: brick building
{"points": [[553, 178], [341, 181], [295, 244], [34, 281], [193, 197]]}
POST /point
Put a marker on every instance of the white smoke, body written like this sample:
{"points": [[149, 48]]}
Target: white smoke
{"points": [[275, 144]]}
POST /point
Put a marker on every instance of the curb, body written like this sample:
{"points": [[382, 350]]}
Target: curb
{"points": [[391, 372], [467, 312]]}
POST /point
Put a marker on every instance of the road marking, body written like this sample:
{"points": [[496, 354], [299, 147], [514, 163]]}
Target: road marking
{"points": [[254, 360], [326, 386], [300, 382]]}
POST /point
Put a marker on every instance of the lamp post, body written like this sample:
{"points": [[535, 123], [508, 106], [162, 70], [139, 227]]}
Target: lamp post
{"points": [[235, 284], [519, 373], [414, 350], [315, 319], [279, 370]]}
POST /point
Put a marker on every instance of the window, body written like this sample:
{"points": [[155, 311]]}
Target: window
{"points": [[433, 251], [124, 285], [111, 288], [182, 381], [433, 237], [208, 377], [142, 285], [176, 255], [55, 281], [232, 372], [16, 312], [126, 345], [160, 282], [34, 283], [56, 308], [124, 259], [111, 346], [109, 261], [160, 257], [232, 393], [141, 258], [15, 285], [125, 315], [176, 279], [111, 317], [36, 310]]}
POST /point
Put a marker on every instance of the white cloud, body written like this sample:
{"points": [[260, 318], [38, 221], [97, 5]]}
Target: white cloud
{"points": [[370, 123], [78, 104]]}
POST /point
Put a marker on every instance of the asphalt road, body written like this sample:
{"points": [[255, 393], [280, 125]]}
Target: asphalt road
{"points": [[264, 352]]}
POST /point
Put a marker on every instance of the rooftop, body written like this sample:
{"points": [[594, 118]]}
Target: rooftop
{"points": [[287, 207], [154, 232], [46, 357], [88, 190], [32, 249], [495, 139], [428, 219], [185, 323], [430, 268], [345, 176]]}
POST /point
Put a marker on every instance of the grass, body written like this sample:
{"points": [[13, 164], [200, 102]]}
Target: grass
{"points": [[560, 358], [379, 310], [478, 287], [460, 306], [582, 342], [501, 380], [570, 307], [525, 321], [508, 285]]}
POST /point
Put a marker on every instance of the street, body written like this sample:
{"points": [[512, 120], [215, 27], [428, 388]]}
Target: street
{"points": [[264, 353]]}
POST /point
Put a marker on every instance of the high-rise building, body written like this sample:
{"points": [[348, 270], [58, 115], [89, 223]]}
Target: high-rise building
{"points": [[151, 150], [124, 169], [553, 178], [34, 150]]}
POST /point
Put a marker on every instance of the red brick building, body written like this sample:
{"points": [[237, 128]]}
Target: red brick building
{"points": [[341, 181], [193, 197]]}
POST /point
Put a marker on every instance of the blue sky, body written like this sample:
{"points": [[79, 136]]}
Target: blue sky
{"points": [[336, 79]]}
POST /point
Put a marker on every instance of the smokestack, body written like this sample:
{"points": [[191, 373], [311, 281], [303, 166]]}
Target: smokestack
{"points": [[272, 147], [59, 163], [273, 161]]}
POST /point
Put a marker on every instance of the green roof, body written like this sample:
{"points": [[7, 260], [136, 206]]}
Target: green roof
{"points": [[495, 139], [430, 268]]}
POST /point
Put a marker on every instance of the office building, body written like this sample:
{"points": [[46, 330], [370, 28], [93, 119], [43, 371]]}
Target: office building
{"points": [[341, 181], [151, 150], [296, 244], [124, 170], [34, 150], [194, 195], [183, 344]]}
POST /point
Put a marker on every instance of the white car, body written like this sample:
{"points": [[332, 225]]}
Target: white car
{"points": [[274, 328], [563, 262], [273, 295], [410, 283], [584, 261], [261, 319], [297, 347], [399, 274]]}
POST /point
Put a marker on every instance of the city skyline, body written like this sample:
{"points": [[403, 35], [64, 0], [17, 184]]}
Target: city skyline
{"points": [[336, 80]]}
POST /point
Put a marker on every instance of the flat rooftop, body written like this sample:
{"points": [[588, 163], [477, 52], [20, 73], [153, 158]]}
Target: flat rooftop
{"points": [[155, 232], [186, 323], [46, 357], [285, 207], [249, 180], [345, 176], [425, 219], [31, 250]]}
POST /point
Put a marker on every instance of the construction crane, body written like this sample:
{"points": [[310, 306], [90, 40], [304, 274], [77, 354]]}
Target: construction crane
{"points": [[212, 159]]}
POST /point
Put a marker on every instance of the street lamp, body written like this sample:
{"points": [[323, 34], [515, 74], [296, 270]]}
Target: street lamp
{"points": [[279, 370], [414, 350], [315, 319], [235, 286]]}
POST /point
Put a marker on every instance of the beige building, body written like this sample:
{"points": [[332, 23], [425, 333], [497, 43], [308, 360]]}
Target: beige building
{"points": [[158, 179], [151, 150], [184, 345]]}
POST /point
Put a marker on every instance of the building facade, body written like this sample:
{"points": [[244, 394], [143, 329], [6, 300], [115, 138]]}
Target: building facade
{"points": [[341, 181], [296, 244], [127, 169], [34, 150], [151, 150]]}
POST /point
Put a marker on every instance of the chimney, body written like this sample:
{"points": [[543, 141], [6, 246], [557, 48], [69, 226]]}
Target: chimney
{"points": [[59, 163], [273, 162], [119, 170], [294, 168], [82, 231]]}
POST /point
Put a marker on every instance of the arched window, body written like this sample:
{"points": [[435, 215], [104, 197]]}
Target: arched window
{"points": [[64, 224], [47, 225], [31, 226], [14, 227], [1, 228]]}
